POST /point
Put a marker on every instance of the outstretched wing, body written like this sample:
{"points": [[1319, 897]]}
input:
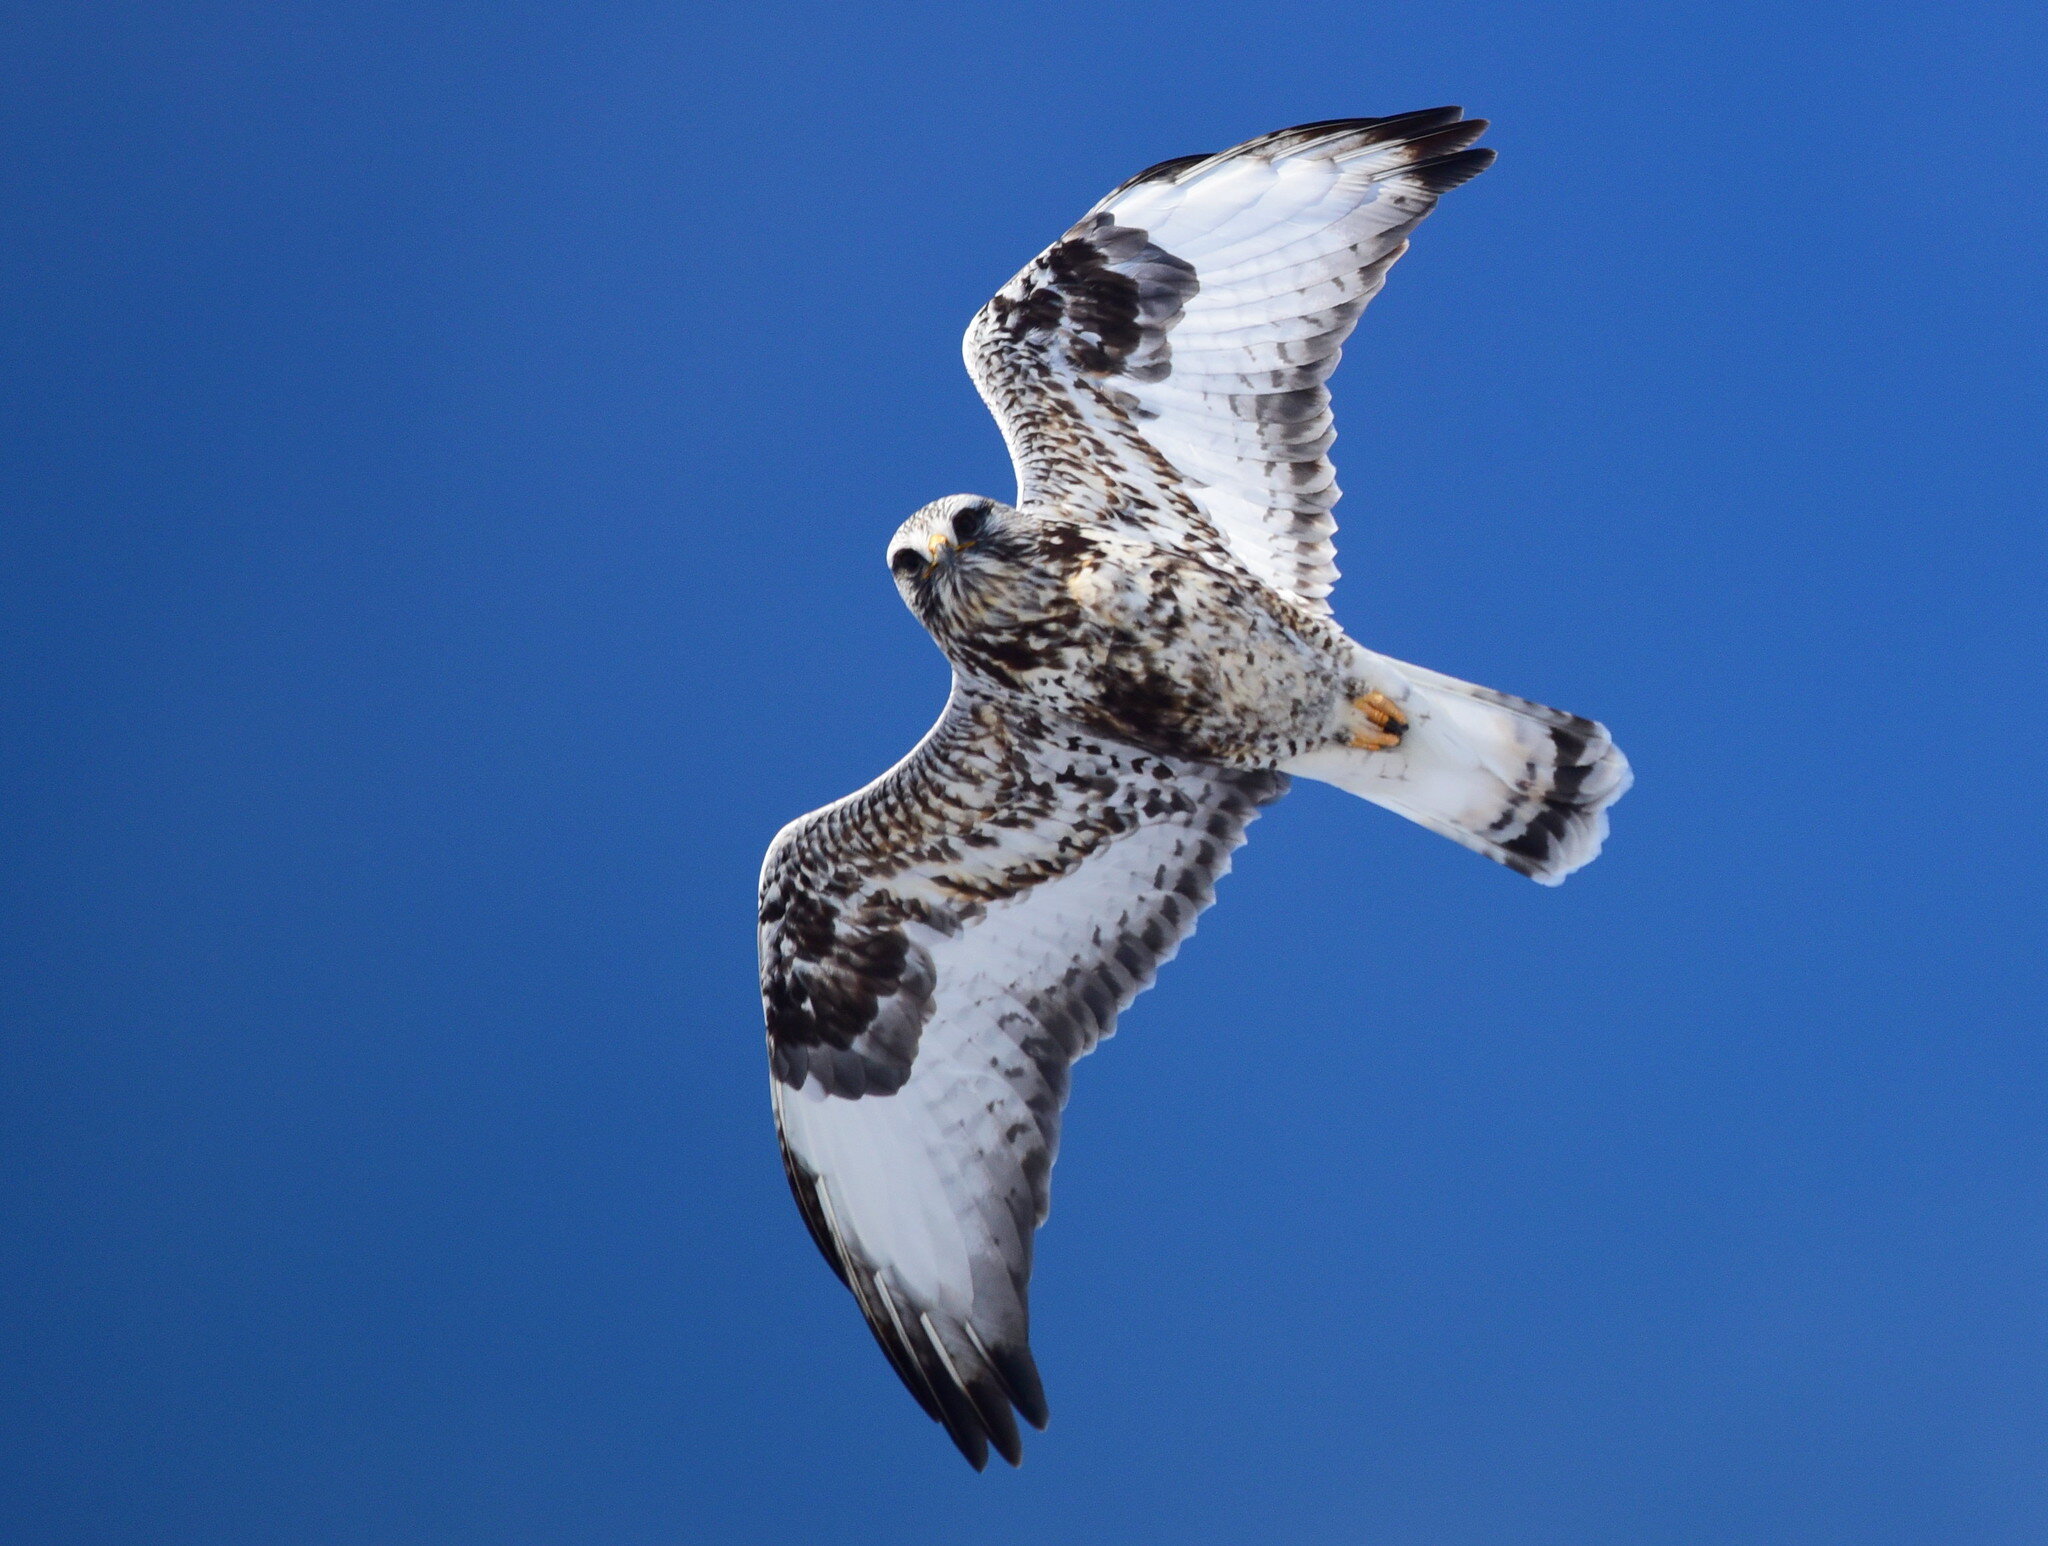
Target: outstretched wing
{"points": [[1162, 364], [936, 950]]}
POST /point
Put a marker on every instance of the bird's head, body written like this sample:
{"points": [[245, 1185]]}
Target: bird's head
{"points": [[959, 561]]}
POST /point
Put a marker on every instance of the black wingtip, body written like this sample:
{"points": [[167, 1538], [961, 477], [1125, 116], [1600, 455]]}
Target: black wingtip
{"points": [[1447, 172], [1158, 172], [1438, 142], [972, 1445], [977, 1416], [1420, 121], [992, 1406], [957, 1415], [1410, 126], [1019, 1374], [1394, 126], [969, 1396]]}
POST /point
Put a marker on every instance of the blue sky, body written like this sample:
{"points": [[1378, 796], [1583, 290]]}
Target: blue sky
{"points": [[448, 453]]}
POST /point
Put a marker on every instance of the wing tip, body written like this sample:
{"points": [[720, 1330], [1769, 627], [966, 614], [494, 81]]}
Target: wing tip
{"points": [[1159, 171], [1440, 174], [1384, 130], [963, 1386], [1014, 1366], [974, 1403], [974, 1410], [1418, 124]]}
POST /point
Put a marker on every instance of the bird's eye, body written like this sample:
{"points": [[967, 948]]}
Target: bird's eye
{"points": [[969, 524], [906, 564]]}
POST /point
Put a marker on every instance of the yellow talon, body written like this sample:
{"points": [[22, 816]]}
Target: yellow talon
{"points": [[1388, 723], [1380, 709]]}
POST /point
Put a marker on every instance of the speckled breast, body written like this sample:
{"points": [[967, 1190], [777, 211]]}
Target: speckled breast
{"points": [[1163, 651]]}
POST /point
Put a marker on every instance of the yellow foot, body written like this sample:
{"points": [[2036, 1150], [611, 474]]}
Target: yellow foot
{"points": [[1387, 719]]}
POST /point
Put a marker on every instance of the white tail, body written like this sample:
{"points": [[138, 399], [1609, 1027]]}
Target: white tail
{"points": [[1527, 786]]}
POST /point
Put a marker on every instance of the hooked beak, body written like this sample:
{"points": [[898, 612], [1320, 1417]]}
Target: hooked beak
{"points": [[942, 547]]}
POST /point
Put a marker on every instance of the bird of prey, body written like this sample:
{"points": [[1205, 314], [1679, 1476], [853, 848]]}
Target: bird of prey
{"points": [[1142, 655]]}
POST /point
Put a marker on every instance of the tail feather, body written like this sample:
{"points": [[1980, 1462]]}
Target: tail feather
{"points": [[1526, 785]]}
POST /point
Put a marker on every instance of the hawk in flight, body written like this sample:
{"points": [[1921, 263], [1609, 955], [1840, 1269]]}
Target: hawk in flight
{"points": [[1142, 655]]}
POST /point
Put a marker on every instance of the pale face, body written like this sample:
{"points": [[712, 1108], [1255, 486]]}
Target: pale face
{"points": [[947, 552]]}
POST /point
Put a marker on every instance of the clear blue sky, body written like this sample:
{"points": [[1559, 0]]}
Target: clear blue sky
{"points": [[448, 453]]}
